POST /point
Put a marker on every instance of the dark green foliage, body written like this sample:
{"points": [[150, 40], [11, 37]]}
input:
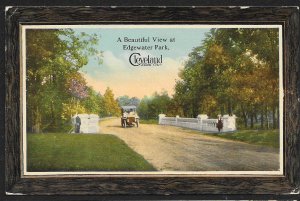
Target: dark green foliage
{"points": [[151, 107]]}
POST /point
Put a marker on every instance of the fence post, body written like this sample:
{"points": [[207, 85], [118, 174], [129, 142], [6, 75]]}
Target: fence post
{"points": [[225, 122], [229, 123], [200, 118], [233, 120], [160, 118], [176, 118]]}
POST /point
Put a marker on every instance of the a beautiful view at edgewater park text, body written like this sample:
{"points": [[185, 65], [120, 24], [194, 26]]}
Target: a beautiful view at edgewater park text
{"points": [[212, 104]]}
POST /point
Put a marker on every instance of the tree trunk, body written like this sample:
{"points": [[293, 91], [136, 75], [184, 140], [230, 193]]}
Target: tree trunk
{"points": [[244, 117], [52, 115], [252, 120], [36, 128], [255, 115], [267, 118], [262, 119]]}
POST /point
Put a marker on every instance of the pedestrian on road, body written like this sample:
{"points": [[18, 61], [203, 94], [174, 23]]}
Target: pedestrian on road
{"points": [[219, 124], [77, 124]]}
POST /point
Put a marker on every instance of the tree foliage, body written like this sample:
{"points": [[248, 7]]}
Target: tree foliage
{"points": [[234, 71], [158, 103], [111, 107], [126, 100], [55, 87]]}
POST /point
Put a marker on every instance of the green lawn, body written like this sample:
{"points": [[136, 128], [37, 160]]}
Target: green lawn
{"points": [[82, 152], [260, 137], [149, 121]]}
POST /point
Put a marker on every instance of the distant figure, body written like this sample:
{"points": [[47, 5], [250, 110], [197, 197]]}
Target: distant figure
{"points": [[219, 124], [77, 124]]}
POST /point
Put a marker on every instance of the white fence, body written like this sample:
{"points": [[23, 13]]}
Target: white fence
{"points": [[89, 123], [201, 123]]}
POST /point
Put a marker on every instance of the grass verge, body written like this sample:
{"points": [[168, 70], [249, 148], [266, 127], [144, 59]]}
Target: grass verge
{"points": [[268, 138], [82, 152], [148, 121]]}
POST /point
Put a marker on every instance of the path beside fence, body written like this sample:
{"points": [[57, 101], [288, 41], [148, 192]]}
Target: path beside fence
{"points": [[179, 149]]}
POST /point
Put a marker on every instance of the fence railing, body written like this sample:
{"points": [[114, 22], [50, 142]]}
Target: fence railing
{"points": [[201, 123], [89, 123]]}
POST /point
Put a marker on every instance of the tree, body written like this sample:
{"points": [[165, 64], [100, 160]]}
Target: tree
{"points": [[71, 108], [52, 58], [92, 102], [111, 107], [257, 62], [234, 71], [151, 107], [143, 109], [126, 100], [123, 100], [134, 101]]}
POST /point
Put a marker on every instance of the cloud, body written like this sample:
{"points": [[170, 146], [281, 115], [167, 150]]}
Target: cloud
{"points": [[112, 62], [125, 79]]}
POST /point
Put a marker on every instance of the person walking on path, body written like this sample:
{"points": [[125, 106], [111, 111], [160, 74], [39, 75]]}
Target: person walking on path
{"points": [[77, 124], [219, 124]]}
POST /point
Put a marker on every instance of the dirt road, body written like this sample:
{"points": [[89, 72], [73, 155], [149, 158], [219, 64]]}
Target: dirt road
{"points": [[174, 148]]}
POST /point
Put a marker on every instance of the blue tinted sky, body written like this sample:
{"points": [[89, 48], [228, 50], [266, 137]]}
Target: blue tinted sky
{"points": [[124, 79]]}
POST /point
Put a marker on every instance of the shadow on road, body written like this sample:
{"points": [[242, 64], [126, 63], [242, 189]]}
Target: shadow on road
{"points": [[115, 126]]}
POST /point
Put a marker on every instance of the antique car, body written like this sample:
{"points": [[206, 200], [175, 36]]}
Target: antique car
{"points": [[129, 116]]}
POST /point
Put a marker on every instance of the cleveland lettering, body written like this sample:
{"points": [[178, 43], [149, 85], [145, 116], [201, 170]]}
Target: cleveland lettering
{"points": [[136, 59]]}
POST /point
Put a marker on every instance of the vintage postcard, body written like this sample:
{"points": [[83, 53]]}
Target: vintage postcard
{"points": [[152, 99]]}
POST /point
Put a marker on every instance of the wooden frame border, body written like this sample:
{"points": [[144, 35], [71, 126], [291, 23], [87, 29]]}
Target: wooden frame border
{"points": [[158, 186]]}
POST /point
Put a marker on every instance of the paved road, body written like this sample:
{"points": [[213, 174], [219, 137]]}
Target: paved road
{"points": [[173, 148]]}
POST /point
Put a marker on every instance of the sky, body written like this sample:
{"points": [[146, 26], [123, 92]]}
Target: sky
{"points": [[123, 78]]}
